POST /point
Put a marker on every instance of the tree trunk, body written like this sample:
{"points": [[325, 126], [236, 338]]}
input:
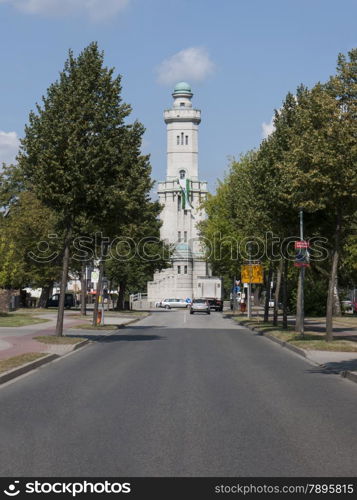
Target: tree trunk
{"points": [[333, 281], [277, 293], [63, 287], [268, 290], [285, 294], [336, 299], [45, 294], [121, 296], [84, 289], [98, 292]]}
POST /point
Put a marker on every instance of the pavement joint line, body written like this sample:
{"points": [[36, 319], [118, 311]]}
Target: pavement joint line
{"points": [[347, 374], [19, 372]]}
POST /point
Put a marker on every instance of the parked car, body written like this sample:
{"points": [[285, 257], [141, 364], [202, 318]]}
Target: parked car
{"points": [[69, 300], [170, 303], [216, 304], [200, 305], [348, 307]]}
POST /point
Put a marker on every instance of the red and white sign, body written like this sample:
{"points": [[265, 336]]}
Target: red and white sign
{"points": [[302, 244]]}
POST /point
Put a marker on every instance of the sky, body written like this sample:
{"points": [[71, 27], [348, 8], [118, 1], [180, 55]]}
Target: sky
{"points": [[241, 58]]}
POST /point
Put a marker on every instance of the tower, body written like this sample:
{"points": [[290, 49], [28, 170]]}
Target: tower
{"points": [[181, 195]]}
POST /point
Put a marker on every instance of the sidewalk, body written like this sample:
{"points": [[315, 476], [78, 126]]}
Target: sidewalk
{"points": [[20, 340]]}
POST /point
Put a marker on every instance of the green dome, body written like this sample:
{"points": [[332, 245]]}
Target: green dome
{"points": [[182, 88]]}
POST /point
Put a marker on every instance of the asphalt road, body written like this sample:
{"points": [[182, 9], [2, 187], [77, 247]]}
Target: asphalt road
{"points": [[179, 395]]}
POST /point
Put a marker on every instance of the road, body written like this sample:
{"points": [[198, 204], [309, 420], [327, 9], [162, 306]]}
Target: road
{"points": [[179, 395]]}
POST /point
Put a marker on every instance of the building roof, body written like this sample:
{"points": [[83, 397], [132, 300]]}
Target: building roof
{"points": [[182, 88]]}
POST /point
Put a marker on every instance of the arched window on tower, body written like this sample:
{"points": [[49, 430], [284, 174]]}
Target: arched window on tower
{"points": [[178, 140], [182, 174], [186, 140], [182, 138]]}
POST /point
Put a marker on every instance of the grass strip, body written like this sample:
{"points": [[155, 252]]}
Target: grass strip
{"points": [[21, 359], [14, 319], [311, 341]]}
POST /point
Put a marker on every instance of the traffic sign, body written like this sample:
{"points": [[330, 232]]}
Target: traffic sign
{"points": [[302, 244], [252, 273]]}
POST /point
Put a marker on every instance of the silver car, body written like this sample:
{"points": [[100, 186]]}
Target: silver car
{"points": [[200, 305], [169, 303]]}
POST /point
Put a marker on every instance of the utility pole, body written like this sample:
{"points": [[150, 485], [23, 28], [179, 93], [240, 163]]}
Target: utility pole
{"points": [[249, 315], [234, 295], [302, 278]]}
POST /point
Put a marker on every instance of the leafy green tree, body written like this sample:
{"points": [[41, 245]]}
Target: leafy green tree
{"points": [[23, 261], [74, 155], [320, 167]]}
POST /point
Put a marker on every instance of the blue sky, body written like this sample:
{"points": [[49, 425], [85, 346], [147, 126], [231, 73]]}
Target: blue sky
{"points": [[241, 57]]}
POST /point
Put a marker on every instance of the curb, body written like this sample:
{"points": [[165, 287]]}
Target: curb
{"points": [[112, 332], [80, 344], [134, 320], [352, 376], [21, 370], [293, 348]]}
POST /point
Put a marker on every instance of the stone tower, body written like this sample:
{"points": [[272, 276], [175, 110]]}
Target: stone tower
{"points": [[181, 195]]}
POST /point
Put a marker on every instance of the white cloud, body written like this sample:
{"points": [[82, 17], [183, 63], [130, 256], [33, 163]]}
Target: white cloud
{"points": [[268, 128], [9, 146], [193, 64], [94, 9]]}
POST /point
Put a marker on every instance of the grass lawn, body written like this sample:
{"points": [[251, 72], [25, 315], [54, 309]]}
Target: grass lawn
{"points": [[9, 364], [311, 340], [32, 310], [53, 339], [18, 319]]}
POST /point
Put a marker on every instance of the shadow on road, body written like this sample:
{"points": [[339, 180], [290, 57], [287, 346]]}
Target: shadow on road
{"points": [[336, 367], [116, 337]]}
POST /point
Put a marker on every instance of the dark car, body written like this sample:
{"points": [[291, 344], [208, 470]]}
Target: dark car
{"points": [[216, 304], [69, 300]]}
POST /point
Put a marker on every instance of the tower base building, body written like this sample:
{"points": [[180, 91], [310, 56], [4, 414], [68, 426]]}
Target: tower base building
{"points": [[181, 195]]}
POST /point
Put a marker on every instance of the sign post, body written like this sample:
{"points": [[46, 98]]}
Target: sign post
{"points": [[301, 261], [251, 273]]}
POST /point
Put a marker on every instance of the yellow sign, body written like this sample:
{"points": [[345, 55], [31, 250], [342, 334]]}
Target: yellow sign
{"points": [[252, 273]]}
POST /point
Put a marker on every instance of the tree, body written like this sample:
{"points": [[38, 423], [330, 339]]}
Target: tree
{"points": [[321, 173], [73, 152], [24, 226]]}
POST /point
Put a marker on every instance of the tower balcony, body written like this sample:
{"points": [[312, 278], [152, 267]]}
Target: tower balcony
{"points": [[182, 115]]}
